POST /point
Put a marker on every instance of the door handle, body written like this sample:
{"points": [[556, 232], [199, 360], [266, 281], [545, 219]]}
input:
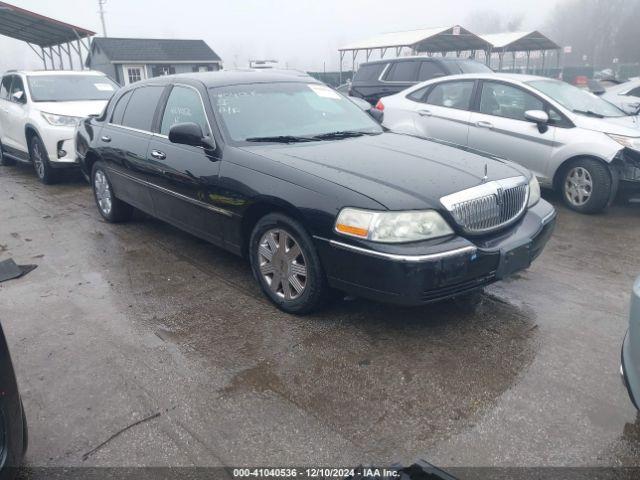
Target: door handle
{"points": [[483, 124], [158, 155], [105, 138], [424, 113]]}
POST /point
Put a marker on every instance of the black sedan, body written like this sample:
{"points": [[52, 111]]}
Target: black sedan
{"points": [[291, 174], [13, 426]]}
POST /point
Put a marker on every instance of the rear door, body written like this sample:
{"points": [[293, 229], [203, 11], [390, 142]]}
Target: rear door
{"points": [[443, 111], [186, 177], [499, 127], [124, 141]]}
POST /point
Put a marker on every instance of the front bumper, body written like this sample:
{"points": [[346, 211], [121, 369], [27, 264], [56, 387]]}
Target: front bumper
{"points": [[57, 140], [416, 274]]}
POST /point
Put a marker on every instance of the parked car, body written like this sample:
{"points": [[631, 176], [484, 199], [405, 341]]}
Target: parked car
{"points": [[375, 80], [39, 111], [311, 189], [13, 424], [572, 140], [630, 353], [625, 96]]}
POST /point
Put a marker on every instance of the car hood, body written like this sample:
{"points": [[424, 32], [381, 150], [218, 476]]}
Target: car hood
{"points": [[628, 125], [73, 109], [398, 171]]}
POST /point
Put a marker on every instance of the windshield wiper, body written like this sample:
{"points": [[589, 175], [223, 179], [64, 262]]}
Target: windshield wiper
{"points": [[280, 139], [341, 134], [590, 113]]}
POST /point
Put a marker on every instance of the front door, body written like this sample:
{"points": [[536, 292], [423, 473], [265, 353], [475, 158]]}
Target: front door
{"points": [[185, 177], [499, 127], [134, 73], [15, 118]]}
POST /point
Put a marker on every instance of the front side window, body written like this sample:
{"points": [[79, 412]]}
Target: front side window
{"points": [[507, 101], [5, 87], [402, 72], [575, 99], [634, 93], [452, 95], [250, 112], [141, 108], [183, 105], [17, 87], [70, 88]]}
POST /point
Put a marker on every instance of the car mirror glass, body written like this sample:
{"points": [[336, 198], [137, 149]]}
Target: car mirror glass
{"points": [[18, 96], [188, 133]]}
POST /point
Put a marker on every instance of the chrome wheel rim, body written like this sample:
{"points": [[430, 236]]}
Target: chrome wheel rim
{"points": [[103, 192], [282, 264], [578, 186], [38, 162]]}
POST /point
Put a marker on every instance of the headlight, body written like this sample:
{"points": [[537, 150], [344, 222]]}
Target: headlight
{"points": [[392, 227], [61, 120], [631, 142], [534, 191]]}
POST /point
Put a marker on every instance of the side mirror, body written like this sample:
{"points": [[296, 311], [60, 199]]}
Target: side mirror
{"points": [[18, 96], [190, 133], [539, 117]]}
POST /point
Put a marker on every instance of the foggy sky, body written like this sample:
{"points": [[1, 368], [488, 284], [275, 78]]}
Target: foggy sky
{"points": [[299, 33]]}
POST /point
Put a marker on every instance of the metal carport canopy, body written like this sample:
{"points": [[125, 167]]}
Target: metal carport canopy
{"points": [[446, 39], [520, 41], [47, 33]]}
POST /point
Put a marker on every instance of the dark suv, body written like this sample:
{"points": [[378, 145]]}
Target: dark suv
{"points": [[374, 80]]}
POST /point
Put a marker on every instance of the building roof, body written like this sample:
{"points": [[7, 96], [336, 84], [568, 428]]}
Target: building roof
{"points": [[444, 39], [16, 22], [148, 50], [520, 41]]}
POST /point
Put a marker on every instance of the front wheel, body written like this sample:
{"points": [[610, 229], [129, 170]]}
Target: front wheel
{"points": [[45, 172], [111, 208], [286, 264], [586, 185]]}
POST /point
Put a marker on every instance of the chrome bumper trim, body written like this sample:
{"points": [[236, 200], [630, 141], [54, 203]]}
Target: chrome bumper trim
{"points": [[402, 258], [549, 216]]}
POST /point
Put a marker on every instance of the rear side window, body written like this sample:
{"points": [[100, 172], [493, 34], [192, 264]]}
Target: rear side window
{"points": [[429, 70], [418, 95], [452, 95], [369, 72], [141, 108], [402, 72], [118, 111], [5, 87]]}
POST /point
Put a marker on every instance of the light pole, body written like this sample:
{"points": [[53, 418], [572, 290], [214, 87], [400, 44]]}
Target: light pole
{"points": [[104, 25]]}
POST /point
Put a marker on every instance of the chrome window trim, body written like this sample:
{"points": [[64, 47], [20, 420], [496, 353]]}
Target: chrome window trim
{"points": [[193, 201], [131, 129], [430, 257]]}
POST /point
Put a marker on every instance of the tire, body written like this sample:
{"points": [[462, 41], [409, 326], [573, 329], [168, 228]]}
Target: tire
{"points": [[111, 208], [271, 252], [5, 161], [586, 185], [40, 160]]}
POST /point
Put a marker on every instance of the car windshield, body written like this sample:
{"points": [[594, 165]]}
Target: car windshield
{"points": [[288, 112], [70, 88], [575, 99]]}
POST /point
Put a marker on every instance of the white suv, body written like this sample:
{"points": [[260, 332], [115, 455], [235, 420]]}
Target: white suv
{"points": [[39, 112]]}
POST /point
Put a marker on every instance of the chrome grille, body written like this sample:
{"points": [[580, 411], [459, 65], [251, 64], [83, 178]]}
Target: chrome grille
{"points": [[489, 206]]}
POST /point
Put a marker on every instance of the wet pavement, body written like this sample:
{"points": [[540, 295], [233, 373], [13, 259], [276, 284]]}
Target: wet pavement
{"points": [[120, 323]]}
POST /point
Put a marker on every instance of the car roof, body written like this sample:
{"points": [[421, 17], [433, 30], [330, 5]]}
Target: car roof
{"points": [[512, 77], [54, 72], [237, 77], [419, 57]]}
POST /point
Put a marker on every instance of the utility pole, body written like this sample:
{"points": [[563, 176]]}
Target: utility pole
{"points": [[104, 25]]}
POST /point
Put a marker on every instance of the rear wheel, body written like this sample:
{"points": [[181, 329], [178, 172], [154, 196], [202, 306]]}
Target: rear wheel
{"points": [[586, 185], [111, 208], [5, 161], [286, 264], [46, 174]]}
